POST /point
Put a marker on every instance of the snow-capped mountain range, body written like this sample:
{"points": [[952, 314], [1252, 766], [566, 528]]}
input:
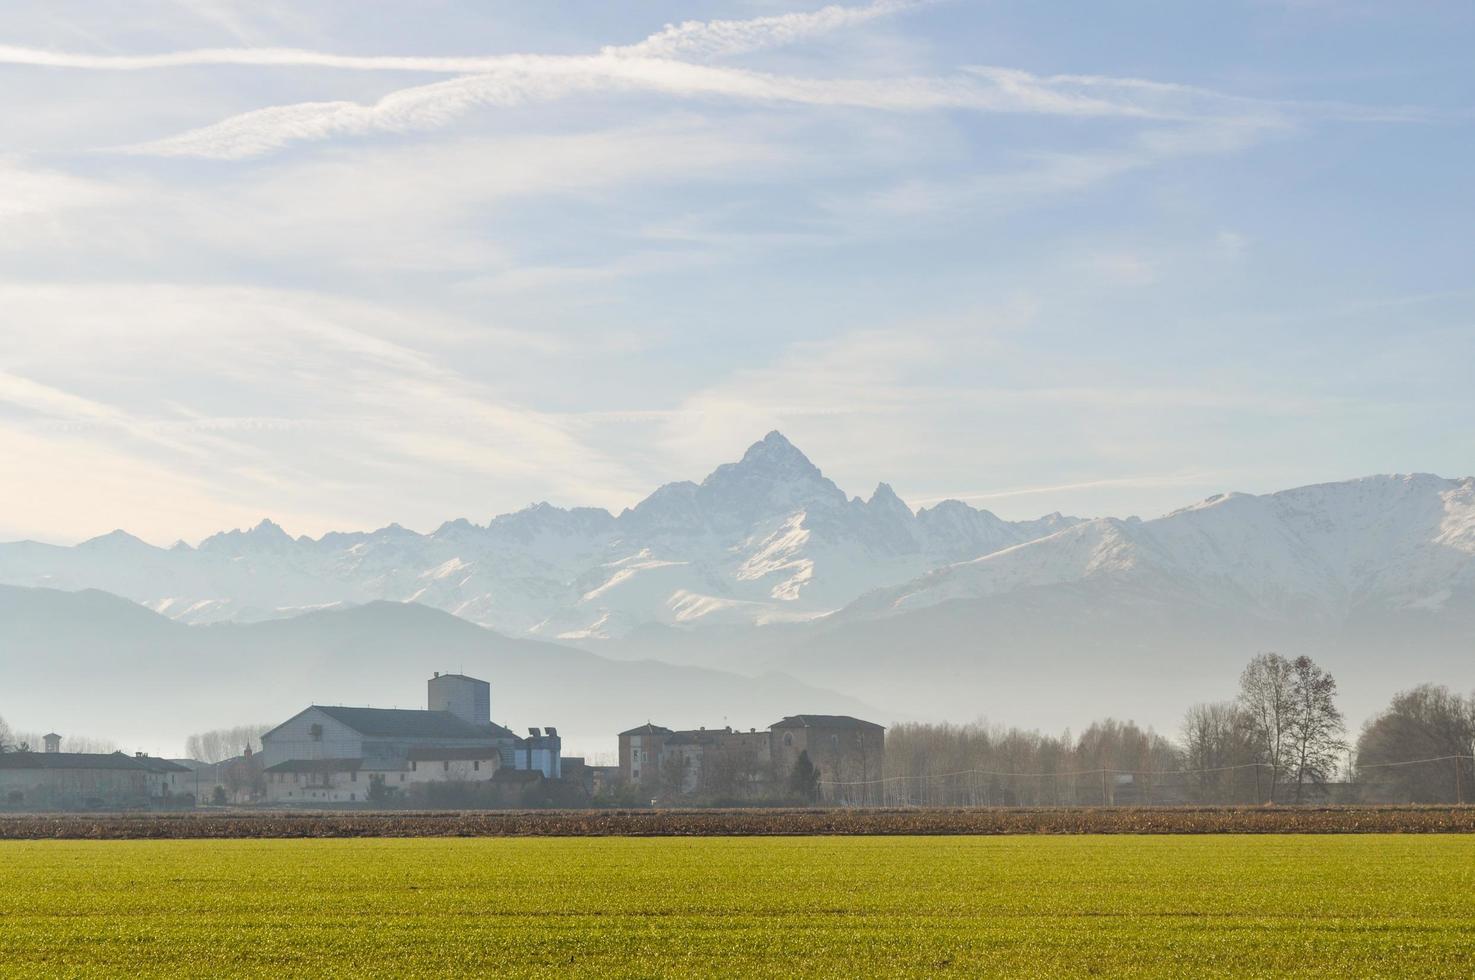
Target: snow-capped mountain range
{"points": [[770, 540], [766, 539], [1323, 553]]}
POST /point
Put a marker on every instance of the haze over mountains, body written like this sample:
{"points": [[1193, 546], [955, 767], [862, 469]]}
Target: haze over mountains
{"points": [[767, 570], [90, 662], [766, 539]]}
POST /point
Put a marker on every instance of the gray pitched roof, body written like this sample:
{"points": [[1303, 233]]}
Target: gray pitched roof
{"points": [[317, 765], [70, 760], [825, 721], [156, 764], [695, 737], [648, 729], [403, 722]]}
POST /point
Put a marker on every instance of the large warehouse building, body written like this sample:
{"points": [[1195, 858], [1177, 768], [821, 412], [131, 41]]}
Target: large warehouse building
{"points": [[335, 754]]}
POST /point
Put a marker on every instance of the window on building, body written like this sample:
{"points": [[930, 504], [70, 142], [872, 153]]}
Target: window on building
{"points": [[353, 777], [316, 731], [401, 777], [445, 766], [788, 738], [476, 766], [413, 766]]}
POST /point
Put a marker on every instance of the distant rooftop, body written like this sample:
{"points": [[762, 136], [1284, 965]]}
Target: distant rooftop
{"points": [[825, 721], [409, 723], [648, 729], [156, 764], [403, 722], [317, 765], [73, 760]]}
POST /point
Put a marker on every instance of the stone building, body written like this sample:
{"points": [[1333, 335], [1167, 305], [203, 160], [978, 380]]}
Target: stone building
{"points": [[725, 763], [846, 750], [640, 753]]}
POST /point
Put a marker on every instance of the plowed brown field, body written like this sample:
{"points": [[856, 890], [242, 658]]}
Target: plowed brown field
{"points": [[752, 822]]}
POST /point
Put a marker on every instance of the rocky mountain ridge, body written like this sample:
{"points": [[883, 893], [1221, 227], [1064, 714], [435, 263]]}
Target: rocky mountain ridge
{"points": [[765, 539]]}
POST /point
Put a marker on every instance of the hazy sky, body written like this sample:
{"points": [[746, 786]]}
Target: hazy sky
{"points": [[349, 263]]}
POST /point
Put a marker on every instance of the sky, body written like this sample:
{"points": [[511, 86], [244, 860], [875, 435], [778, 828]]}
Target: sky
{"points": [[343, 264]]}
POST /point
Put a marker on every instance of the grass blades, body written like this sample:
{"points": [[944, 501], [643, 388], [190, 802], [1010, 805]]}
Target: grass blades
{"points": [[1364, 905]]}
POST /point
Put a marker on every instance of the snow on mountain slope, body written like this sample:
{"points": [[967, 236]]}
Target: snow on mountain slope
{"points": [[766, 539], [1321, 552]]}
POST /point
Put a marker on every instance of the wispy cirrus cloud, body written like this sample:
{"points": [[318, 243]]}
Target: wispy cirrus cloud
{"points": [[672, 63], [544, 78], [720, 38], [713, 38], [525, 79]]}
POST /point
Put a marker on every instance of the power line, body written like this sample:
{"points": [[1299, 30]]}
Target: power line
{"points": [[1105, 771]]}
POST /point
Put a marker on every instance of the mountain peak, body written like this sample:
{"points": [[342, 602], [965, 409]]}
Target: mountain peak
{"points": [[114, 540], [885, 497], [266, 533], [775, 448], [771, 460], [269, 529]]}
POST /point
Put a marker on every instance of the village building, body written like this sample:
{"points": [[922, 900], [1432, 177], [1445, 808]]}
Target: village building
{"points": [[57, 780], [726, 762], [336, 754], [593, 780], [640, 752], [848, 752]]}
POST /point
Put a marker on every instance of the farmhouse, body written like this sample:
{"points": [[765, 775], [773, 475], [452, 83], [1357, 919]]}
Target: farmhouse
{"points": [[335, 754], [57, 780]]}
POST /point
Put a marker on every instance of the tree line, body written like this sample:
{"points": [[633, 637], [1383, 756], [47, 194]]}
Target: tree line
{"points": [[1282, 739], [13, 741]]}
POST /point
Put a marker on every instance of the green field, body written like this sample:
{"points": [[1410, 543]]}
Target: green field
{"points": [[1021, 906]]}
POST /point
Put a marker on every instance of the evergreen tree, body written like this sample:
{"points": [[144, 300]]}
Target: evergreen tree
{"points": [[804, 779]]}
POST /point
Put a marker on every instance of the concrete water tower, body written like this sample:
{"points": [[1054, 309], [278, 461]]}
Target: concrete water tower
{"points": [[53, 742]]}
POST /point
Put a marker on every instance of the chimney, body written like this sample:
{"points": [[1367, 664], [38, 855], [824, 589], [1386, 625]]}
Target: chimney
{"points": [[53, 742]]}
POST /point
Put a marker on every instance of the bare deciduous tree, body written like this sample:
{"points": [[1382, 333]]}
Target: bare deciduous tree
{"points": [[71, 743], [1217, 745], [1266, 695], [674, 769], [1316, 724], [220, 744]]}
